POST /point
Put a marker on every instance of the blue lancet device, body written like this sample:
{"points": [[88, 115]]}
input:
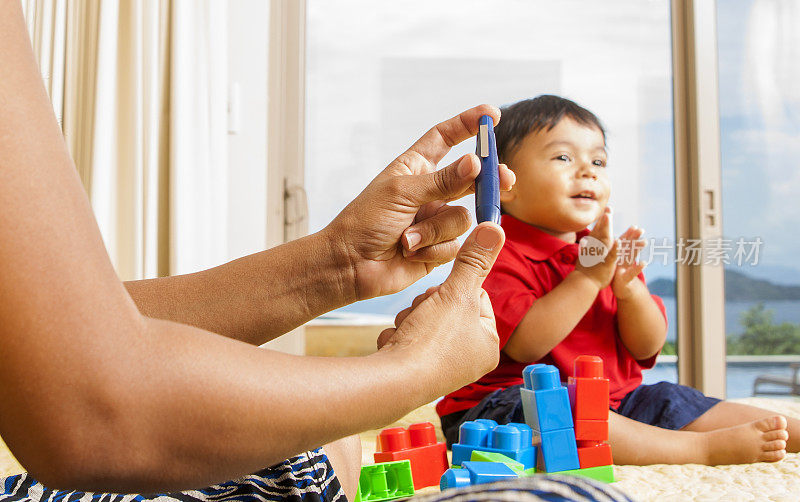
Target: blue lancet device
{"points": [[487, 184]]}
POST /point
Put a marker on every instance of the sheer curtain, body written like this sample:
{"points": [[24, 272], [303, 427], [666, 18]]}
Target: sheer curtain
{"points": [[140, 89]]}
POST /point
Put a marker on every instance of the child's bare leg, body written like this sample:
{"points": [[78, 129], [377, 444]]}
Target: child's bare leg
{"points": [[636, 443], [345, 457], [727, 414]]}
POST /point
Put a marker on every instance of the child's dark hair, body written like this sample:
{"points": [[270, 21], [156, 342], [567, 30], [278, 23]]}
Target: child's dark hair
{"points": [[533, 115]]}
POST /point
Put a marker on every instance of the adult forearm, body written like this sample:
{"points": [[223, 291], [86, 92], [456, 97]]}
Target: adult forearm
{"points": [[258, 297], [177, 407], [551, 318], [642, 327]]}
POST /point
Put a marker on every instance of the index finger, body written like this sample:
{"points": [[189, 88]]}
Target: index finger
{"points": [[435, 143]]}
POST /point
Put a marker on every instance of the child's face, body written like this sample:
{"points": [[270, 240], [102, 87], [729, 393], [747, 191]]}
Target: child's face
{"points": [[562, 185]]}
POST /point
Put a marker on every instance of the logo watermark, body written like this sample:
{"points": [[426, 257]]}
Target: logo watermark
{"points": [[715, 252]]}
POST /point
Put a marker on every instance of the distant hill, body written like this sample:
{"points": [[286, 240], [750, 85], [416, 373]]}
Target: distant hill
{"points": [[662, 287], [738, 287]]}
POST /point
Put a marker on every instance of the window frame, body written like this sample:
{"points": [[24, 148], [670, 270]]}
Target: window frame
{"points": [[287, 213], [699, 288]]}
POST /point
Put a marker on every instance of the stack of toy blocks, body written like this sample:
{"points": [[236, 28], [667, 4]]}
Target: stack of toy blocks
{"points": [[588, 393], [385, 481], [546, 405], [418, 445], [513, 440]]}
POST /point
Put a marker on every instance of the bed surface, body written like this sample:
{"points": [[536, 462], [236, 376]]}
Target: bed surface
{"points": [[763, 481], [778, 481]]}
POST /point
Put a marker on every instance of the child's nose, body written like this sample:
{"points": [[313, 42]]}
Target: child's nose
{"points": [[587, 170]]}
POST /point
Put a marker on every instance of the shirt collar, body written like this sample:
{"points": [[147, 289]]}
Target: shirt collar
{"points": [[535, 243]]}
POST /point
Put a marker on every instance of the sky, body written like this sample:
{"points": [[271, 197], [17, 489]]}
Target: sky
{"points": [[377, 80]]}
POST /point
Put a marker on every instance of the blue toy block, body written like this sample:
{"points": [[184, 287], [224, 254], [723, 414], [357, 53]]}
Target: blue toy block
{"points": [[513, 440], [546, 402], [475, 473], [454, 478], [527, 375], [557, 451]]}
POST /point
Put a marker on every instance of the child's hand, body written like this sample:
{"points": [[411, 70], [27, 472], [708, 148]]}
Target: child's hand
{"points": [[449, 332], [601, 273], [624, 283]]}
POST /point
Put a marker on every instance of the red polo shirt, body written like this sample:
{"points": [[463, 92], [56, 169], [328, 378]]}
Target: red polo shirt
{"points": [[531, 264]]}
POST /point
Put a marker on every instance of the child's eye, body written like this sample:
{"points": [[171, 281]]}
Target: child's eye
{"points": [[599, 162], [565, 158]]}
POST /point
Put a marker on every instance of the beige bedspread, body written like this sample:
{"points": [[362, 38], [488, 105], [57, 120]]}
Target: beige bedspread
{"points": [[764, 481]]}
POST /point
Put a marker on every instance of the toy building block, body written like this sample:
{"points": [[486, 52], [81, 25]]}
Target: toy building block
{"points": [[595, 455], [588, 390], [475, 473], [591, 430], [513, 440], [602, 473], [418, 445], [385, 481], [557, 450], [546, 403], [490, 456], [527, 375]]}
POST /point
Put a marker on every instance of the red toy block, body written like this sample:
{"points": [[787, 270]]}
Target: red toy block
{"points": [[418, 445], [593, 456], [591, 430], [588, 390]]}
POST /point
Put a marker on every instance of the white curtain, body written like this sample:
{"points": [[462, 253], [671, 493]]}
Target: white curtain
{"points": [[140, 88], [772, 60]]}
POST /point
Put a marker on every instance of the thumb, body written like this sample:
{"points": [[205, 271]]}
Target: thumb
{"points": [[475, 258]]}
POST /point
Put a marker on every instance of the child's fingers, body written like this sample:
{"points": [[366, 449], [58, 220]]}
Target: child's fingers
{"points": [[628, 234], [613, 253], [630, 249], [638, 245], [633, 233], [632, 272], [602, 230]]}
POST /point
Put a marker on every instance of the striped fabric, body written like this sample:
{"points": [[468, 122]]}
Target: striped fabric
{"points": [[537, 488], [308, 478]]}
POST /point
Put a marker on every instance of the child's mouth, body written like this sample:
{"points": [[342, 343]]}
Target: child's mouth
{"points": [[586, 195]]}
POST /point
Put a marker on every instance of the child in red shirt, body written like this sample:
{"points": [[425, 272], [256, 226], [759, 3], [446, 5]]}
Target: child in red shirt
{"points": [[551, 306]]}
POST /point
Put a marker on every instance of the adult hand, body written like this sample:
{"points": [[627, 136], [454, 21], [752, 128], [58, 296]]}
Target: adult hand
{"points": [[400, 227], [451, 328]]}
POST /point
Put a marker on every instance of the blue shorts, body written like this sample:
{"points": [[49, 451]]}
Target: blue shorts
{"points": [[666, 405]]}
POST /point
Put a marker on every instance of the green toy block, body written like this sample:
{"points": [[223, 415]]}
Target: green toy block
{"points": [[385, 481], [603, 473], [493, 456]]}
